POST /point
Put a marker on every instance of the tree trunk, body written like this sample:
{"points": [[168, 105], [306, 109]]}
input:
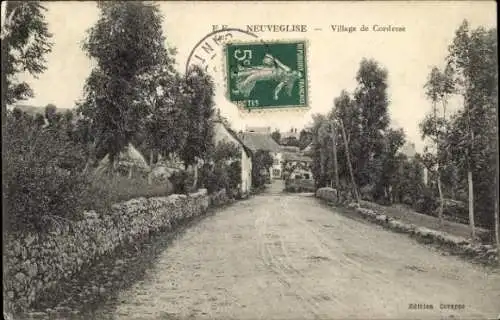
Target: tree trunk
{"points": [[5, 50], [471, 205], [150, 174], [335, 161], [195, 182], [497, 224], [353, 181], [322, 166], [441, 200], [496, 209]]}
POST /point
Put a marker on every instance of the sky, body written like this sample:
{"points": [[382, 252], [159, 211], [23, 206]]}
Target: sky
{"points": [[332, 57]]}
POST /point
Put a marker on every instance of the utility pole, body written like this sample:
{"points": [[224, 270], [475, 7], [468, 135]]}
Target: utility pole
{"points": [[355, 188]]}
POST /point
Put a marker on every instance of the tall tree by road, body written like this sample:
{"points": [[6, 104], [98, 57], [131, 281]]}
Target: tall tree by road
{"points": [[347, 110], [25, 44], [318, 166], [371, 98], [200, 90], [438, 87], [164, 131], [126, 42], [387, 165], [473, 57]]}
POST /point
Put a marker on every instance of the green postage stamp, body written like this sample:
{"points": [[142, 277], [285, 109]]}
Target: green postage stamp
{"points": [[267, 75]]}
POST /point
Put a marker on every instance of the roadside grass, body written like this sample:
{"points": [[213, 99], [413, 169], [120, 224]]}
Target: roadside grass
{"points": [[421, 231], [408, 215]]}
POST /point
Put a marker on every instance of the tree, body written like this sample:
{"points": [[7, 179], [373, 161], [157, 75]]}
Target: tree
{"points": [[199, 108], [127, 43], [346, 110], [473, 57], [276, 135], [51, 114], [165, 125], [224, 171], [319, 154], [25, 43], [371, 99], [261, 162], [438, 87], [389, 163], [305, 138], [225, 151]]}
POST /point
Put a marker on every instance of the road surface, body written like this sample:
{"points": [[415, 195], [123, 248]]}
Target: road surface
{"points": [[290, 257]]}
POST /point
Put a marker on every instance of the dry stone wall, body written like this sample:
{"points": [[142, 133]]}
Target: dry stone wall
{"points": [[35, 263]]}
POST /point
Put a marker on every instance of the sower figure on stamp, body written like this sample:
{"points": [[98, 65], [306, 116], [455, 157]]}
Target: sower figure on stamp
{"points": [[271, 69]]}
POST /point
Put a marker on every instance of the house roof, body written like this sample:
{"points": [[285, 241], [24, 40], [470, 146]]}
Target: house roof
{"points": [[308, 147], [288, 134], [259, 141], [128, 157], [247, 149], [290, 156]]}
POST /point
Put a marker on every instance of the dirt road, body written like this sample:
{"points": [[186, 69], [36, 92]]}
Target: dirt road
{"points": [[289, 257]]}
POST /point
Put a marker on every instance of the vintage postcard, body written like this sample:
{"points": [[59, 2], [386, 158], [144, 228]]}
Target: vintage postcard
{"points": [[250, 160]]}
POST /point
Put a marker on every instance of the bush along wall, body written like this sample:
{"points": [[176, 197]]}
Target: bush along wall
{"points": [[35, 263], [483, 253], [220, 198]]}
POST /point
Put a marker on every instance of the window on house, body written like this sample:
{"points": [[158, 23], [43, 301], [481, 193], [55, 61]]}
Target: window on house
{"points": [[306, 176]]}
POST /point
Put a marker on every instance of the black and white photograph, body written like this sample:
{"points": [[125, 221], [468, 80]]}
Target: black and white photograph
{"points": [[250, 160]]}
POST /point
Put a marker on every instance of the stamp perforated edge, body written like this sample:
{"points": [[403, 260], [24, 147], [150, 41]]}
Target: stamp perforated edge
{"points": [[264, 110]]}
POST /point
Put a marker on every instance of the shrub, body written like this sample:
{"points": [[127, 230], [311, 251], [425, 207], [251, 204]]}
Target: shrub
{"points": [[261, 162], [43, 182], [426, 202], [456, 210], [299, 185], [221, 176], [234, 174], [182, 182]]}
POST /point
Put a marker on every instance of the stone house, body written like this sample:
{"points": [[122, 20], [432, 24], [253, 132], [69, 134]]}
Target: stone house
{"points": [[224, 134], [257, 140]]}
